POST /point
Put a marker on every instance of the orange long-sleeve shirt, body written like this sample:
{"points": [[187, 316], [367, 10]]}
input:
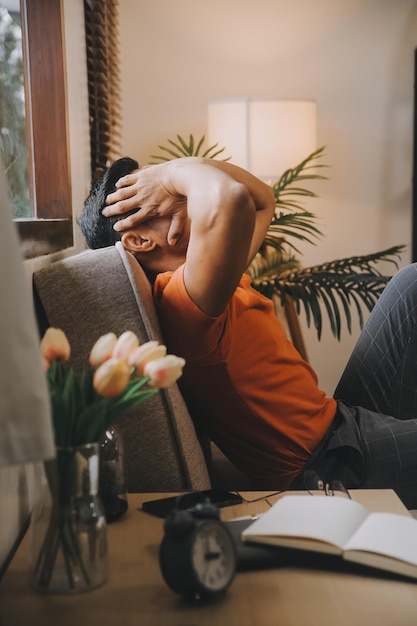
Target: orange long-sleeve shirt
{"points": [[244, 382]]}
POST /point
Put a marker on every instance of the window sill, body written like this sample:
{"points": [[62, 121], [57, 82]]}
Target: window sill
{"points": [[40, 237]]}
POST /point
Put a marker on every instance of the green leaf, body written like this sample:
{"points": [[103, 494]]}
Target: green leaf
{"points": [[335, 285], [91, 423], [134, 386], [123, 405], [332, 310], [290, 179], [159, 158], [182, 151], [86, 385], [200, 143], [182, 148], [171, 152], [212, 155]]}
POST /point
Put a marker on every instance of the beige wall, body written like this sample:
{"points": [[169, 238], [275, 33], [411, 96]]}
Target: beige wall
{"points": [[354, 57]]}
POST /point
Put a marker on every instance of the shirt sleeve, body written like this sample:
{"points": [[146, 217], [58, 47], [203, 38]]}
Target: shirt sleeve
{"points": [[187, 330]]}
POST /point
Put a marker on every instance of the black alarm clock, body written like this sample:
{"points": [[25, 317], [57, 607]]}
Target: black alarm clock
{"points": [[197, 554]]}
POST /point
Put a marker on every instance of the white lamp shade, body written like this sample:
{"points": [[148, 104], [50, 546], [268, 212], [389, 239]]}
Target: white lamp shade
{"points": [[265, 137]]}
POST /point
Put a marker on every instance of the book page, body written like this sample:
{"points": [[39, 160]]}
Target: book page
{"points": [[318, 523], [391, 535]]}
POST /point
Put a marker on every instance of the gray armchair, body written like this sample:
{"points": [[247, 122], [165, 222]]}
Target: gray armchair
{"points": [[98, 291]]}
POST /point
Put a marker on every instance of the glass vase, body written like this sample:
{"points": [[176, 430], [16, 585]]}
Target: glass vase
{"points": [[112, 486], [68, 533]]}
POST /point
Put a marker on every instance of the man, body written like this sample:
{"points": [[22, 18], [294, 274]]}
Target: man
{"points": [[195, 225]]}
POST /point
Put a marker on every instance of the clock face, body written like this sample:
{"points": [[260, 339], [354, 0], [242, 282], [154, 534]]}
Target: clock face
{"points": [[213, 556]]}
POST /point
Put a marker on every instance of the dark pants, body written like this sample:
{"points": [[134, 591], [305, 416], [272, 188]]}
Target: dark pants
{"points": [[373, 440]]}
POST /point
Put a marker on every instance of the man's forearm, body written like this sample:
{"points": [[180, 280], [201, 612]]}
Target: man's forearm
{"points": [[263, 197], [262, 194]]}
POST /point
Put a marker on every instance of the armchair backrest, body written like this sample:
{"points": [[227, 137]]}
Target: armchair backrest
{"points": [[98, 291]]}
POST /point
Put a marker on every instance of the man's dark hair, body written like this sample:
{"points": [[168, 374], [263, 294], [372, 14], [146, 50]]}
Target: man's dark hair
{"points": [[98, 230]]}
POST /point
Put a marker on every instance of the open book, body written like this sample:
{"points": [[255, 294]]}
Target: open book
{"points": [[335, 525]]}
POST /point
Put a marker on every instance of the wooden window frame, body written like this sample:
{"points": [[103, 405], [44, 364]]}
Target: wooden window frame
{"points": [[46, 112]]}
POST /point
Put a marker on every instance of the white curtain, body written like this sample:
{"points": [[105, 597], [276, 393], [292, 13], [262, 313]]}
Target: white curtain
{"points": [[25, 417]]}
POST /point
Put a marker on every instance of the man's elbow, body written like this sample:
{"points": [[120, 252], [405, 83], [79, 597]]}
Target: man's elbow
{"points": [[242, 199]]}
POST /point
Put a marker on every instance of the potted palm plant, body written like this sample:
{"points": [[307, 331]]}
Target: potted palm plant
{"points": [[334, 287]]}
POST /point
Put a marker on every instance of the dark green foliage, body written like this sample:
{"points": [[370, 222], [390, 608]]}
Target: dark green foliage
{"points": [[181, 148], [342, 284], [348, 283], [291, 220]]}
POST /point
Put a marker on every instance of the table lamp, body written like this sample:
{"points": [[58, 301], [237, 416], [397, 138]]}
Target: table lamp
{"points": [[263, 136]]}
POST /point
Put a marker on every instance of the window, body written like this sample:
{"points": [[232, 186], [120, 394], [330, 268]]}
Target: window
{"points": [[12, 109], [49, 228]]}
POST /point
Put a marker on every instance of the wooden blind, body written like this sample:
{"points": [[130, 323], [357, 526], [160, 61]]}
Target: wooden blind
{"points": [[414, 189], [103, 69]]}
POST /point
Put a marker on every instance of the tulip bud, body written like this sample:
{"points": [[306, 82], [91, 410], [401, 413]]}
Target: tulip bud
{"points": [[148, 351], [124, 345], [111, 378], [164, 371], [55, 345], [102, 349]]}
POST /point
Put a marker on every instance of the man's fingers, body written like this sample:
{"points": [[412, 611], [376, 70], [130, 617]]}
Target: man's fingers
{"points": [[120, 195], [120, 202], [128, 222], [125, 181]]}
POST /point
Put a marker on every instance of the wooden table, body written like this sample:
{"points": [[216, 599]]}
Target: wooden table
{"points": [[136, 594]]}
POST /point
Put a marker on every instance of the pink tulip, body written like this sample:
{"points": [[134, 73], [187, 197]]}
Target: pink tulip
{"points": [[55, 345], [102, 349], [111, 378], [164, 371], [141, 355], [124, 345]]}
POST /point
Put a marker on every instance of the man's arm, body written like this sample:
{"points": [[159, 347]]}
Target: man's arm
{"points": [[229, 212], [222, 221], [262, 195]]}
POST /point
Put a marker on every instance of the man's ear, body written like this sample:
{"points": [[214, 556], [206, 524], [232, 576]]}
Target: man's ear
{"points": [[134, 241]]}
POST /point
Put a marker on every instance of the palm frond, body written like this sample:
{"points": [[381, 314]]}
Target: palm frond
{"points": [[335, 286], [299, 225], [291, 220], [182, 148], [265, 265], [289, 182]]}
